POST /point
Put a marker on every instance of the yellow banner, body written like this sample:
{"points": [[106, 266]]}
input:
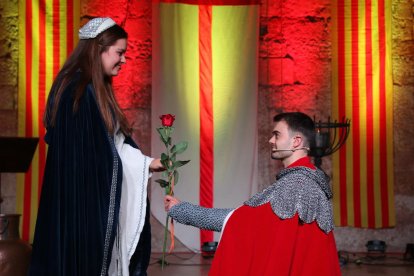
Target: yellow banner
{"points": [[47, 34], [363, 181]]}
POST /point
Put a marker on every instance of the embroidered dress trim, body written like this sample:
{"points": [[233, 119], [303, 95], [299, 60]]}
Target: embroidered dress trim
{"points": [[111, 207]]}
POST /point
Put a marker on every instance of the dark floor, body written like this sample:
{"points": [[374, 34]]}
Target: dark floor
{"points": [[183, 264]]}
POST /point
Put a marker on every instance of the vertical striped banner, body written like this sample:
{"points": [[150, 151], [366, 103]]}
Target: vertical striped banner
{"points": [[206, 114], [363, 179], [46, 37], [205, 72]]}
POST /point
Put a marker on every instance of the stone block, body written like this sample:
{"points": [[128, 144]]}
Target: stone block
{"points": [[139, 49], [8, 71], [90, 9], [141, 9], [133, 96], [277, 71], [8, 184], [8, 122], [403, 71], [306, 38], [140, 120], [9, 205], [403, 48], [9, 8], [292, 8], [11, 28], [403, 145], [272, 48], [402, 9], [402, 29], [8, 94]]}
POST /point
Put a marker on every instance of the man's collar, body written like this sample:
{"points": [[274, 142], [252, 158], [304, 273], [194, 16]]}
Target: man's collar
{"points": [[303, 162]]}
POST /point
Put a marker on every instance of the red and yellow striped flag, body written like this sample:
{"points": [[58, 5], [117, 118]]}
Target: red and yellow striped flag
{"points": [[46, 37], [205, 72], [362, 91]]}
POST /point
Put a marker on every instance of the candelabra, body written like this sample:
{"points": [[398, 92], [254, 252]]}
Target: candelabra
{"points": [[329, 137]]}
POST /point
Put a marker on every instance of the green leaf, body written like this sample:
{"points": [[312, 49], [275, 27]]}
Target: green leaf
{"points": [[165, 163], [176, 177], [179, 163], [164, 157], [171, 168], [179, 148], [164, 174], [162, 182], [163, 135], [167, 190]]}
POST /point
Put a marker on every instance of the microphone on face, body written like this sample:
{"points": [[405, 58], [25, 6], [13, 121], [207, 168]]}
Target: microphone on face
{"points": [[293, 150]]}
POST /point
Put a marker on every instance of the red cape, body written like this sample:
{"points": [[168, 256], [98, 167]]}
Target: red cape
{"points": [[255, 241]]}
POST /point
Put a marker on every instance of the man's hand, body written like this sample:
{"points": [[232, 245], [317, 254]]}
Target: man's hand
{"points": [[169, 202], [156, 166]]}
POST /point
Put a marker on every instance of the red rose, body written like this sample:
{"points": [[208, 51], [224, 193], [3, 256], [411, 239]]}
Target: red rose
{"points": [[167, 120]]}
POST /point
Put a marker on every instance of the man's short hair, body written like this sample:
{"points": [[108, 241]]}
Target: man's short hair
{"points": [[299, 122]]}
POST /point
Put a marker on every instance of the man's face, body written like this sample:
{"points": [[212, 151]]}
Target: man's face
{"points": [[281, 140]]}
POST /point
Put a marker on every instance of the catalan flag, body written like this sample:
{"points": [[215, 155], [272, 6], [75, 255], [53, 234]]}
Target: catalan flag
{"points": [[205, 68], [362, 91], [46, 37]]}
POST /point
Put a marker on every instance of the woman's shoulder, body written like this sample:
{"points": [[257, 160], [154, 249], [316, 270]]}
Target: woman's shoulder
{"points": [[72, 87]]}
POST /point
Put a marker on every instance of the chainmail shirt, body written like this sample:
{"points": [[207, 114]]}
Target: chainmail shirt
{"points": [[296, 190], [299, 190]]}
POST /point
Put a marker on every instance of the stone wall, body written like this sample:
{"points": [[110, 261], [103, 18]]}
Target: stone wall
{"points": [[294, 38], [307, 26], [9, 51]]}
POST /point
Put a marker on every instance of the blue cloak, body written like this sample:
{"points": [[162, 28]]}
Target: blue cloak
{"points": [[80, 200]]}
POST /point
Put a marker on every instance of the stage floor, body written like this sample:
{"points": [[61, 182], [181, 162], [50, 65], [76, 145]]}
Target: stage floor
{"points": [[191, 264]]}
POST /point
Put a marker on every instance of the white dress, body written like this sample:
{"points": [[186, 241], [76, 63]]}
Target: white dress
{"points": [[133, 205]]}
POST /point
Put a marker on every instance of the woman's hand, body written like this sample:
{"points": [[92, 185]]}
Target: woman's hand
{"points": [[156, 166], [169, 202]]}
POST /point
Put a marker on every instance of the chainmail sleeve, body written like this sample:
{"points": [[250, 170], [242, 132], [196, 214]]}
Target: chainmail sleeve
{"points": [[200, 217]]}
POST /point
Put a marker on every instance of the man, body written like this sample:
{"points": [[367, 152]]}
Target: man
{"points": [[284, 230]]}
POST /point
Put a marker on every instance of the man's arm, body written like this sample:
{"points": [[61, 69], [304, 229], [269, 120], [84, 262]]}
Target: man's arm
{"points": [[197, 216]]}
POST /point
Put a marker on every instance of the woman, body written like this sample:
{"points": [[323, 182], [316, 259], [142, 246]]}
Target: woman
{"points": [[95, 176]]}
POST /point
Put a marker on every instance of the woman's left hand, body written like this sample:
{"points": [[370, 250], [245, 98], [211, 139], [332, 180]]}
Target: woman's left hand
{"points": [[156, 165]]}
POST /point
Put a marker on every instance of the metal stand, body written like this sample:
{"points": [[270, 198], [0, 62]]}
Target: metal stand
{"points": [[329, 137]]}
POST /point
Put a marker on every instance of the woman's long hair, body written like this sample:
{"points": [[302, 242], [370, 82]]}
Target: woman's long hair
{"points": [[86, 61]]}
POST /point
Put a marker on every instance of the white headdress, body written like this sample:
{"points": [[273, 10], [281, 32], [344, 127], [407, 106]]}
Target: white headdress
{"points": [[95, 26]]}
